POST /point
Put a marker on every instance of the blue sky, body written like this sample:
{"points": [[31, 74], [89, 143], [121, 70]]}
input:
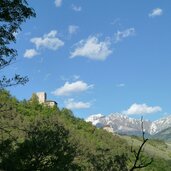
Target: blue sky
{"points": [[98, 56]]}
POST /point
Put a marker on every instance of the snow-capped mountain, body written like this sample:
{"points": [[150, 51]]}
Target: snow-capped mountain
{"points": [[96, 120], [160, 125], [126, 125]]}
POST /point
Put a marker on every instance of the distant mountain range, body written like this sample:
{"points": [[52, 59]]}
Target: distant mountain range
{"points": [[125, 125]]}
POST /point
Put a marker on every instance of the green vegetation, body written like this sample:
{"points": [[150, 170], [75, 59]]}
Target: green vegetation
{"points": [[12, 15], [153, 142], [36, 137], [164, 135]]}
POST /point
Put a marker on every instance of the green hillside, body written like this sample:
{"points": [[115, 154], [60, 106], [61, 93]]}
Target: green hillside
{"points": [[37, 137], [164, 135], [157, 148]]}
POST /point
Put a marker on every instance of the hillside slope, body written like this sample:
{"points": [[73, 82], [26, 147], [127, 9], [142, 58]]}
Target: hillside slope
{"points": [[37, 137], [164, 135]]}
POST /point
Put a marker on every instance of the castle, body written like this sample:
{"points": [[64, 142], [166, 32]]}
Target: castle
{"points": [[108, 128], [42, 98]]}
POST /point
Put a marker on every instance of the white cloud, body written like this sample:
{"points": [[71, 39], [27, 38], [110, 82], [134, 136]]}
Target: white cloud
{"points": [[76, 8], [142, 109], [156, 12], [49, 41], [71, 78], [120, 85], [92, 48], [30, 53], [120, 35], [70, 88], [71, 104], [72, 29], [58, 3], [76, 77]]}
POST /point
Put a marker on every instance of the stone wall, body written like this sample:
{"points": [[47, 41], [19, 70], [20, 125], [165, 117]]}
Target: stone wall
{"points": [[42, 98]]}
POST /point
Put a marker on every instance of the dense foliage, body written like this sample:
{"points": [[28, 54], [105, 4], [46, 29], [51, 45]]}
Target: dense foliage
{"points": [[37, 137], [12, 14]]}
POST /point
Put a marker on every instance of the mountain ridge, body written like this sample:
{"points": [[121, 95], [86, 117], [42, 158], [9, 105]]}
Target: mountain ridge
{"points": [[124, 124]]}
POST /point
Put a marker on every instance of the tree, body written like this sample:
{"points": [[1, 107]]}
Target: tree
{"points": [[12, 14], [139, 161], [103, 160], [44, 146]]}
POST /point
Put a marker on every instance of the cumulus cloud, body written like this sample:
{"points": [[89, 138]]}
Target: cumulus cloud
{"points": [[76, 8], [142, 109], [30, 53], [50, 41], [58, 3], [120, 35], [72, 104], [92, 48], [156, 12], [72, 29], [70, 88]]}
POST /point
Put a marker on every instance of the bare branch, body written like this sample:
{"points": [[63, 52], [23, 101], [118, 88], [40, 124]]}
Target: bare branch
{"points": [[141, 164]]}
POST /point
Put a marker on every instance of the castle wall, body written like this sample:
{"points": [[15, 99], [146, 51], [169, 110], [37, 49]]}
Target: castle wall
{"points": [[108, 128], [51, 103], [41, 97]]}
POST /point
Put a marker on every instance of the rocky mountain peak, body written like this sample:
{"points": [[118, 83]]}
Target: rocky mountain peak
{"points": [[124, 124]]}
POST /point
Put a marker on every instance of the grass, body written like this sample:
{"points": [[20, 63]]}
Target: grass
{"points": [[154, 148]]}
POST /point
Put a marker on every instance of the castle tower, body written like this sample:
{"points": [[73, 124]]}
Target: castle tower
{"points": [[41, 97]]}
